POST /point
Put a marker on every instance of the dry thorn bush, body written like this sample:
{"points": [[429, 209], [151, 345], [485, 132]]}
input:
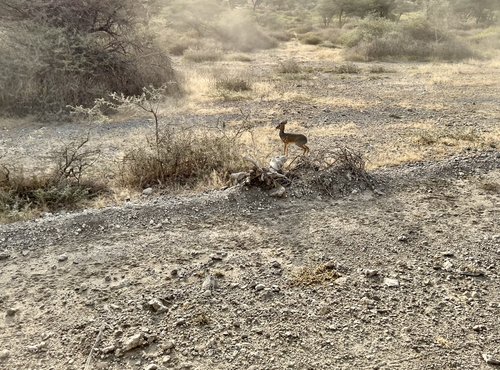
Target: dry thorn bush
{"points": [[65, 186]]}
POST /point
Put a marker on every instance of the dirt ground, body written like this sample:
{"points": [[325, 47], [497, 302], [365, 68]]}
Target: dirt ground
{"points": [[406, 277]]}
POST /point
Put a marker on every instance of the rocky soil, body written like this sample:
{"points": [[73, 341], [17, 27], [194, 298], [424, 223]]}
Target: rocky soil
{"points": [[405, 278]]}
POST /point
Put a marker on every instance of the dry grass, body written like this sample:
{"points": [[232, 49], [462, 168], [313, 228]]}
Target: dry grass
{"points": [[182, 157], [314, 275]]}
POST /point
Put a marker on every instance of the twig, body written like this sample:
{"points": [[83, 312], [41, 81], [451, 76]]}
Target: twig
{"points": [[98, 339]]}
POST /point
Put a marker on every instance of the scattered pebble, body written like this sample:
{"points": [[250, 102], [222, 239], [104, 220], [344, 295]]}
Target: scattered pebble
{"points": [[259, 287], [11, 311], [4, 255], [392, 283], [479, 328], [490, 360], [132, 342], [62, 258], [151, 367], [210, 283], [156, 305], [4, 354], [147, 191]]}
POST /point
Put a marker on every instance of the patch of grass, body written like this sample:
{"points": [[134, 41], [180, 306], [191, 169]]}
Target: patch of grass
{"points": [[446, 137], [315, 275], [289, 66], [380, 69], [202, 55], [349, 68], [186, 158], [229, 83]]}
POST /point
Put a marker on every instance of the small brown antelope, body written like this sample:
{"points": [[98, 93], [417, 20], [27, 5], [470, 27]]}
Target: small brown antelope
{"points": [[297, 139]]}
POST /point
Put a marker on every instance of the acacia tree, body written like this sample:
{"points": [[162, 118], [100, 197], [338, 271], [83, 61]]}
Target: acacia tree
{"points": [[69, 52]]}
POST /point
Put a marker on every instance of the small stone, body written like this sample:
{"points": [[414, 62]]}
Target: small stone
{"points": [[180, 322], [62, 258], [108, 349], [156, 305], [275, 264], [169, 344], [448, 254], [490, 360], [4, 255], [11, 311], [151, 367], [479, 328], [4, 354], [403, 238], [147, 191], [210, 283], [370, 273], [259, 287], [133, 342], [166, 359], [447, 265], [392, 283]]}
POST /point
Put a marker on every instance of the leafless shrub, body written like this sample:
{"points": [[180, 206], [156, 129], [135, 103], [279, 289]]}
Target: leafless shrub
{"points": [[333, 172], [72, 160], [62, 187]]}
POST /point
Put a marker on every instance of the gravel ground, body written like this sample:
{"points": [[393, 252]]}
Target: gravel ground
{"points": [[238, 280]]}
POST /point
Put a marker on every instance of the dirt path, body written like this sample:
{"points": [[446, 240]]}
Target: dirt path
{"points": [[419, 286]]}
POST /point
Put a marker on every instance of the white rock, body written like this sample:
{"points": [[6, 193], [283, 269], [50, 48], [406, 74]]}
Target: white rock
{"points": [[259, 287], [157, 305], [133, 342], [147, 191], [447, 265], [210, 283], [391, 282], [151, 367], [62, 258]]}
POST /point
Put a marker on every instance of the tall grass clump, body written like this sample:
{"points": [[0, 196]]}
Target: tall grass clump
{"points": [[69, 52]]}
